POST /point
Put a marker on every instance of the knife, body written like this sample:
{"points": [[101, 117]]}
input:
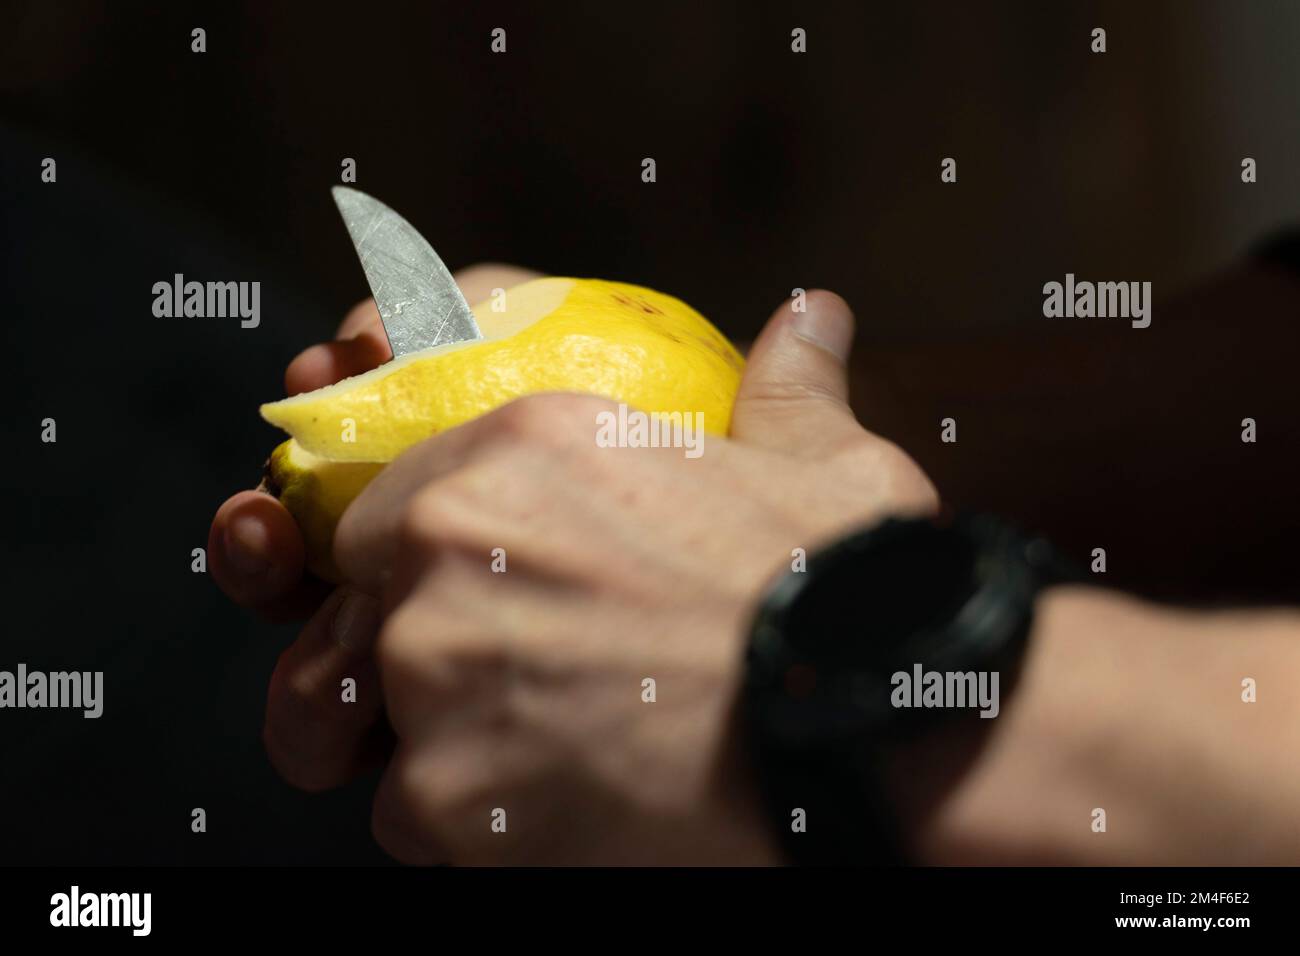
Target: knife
{"points": [[418, 300]]}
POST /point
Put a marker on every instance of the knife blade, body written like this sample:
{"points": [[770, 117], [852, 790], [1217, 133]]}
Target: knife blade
{"points": [[418, 300]]}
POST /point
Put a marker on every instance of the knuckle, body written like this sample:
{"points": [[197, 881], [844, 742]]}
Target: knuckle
{"points": [[436, 516], [409, 792], [552, 420], [440, 667], [428, 675], [299, 693], [402, 646], [301, 727], [442, 793], [524, 418], [575, 407], [295, 699], [424, 804], [457, 789], [395, 818]]}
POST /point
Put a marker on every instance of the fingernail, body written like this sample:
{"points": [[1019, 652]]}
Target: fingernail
{"points": [[827, 328], [246, 546], [356, 622]]}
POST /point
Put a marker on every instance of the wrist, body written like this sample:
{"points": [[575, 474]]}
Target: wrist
{"points": [[951, 603], [1023, 790]]}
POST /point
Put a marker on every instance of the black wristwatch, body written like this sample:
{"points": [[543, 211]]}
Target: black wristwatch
{"points": [[885, 635]]}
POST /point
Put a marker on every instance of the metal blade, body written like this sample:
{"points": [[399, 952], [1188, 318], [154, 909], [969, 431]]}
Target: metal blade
{"points": [[417, 297]]}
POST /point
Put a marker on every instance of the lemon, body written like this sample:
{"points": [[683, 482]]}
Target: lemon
{"points": [[628, 343], [316, 492]]}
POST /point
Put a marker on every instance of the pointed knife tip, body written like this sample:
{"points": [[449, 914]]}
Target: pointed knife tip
{"points": [[343, 192]]}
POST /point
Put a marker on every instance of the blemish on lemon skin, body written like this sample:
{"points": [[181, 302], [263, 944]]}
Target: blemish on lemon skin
{"points": [[638, 303]]}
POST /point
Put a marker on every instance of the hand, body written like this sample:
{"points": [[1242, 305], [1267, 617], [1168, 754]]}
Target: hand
{"points": [[523, 691], [254, 548], [257, 558]]}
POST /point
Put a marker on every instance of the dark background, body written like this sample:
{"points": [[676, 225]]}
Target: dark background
{"points": [[775, 170]]}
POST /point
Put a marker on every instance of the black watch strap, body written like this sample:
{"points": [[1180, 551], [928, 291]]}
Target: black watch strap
{"points": [[827, 809], [819, 719]]}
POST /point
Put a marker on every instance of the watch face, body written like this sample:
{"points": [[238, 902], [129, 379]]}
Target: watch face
{"points": [[877, 603], [907, 596]]}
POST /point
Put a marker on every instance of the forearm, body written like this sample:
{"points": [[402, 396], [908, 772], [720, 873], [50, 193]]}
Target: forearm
{"points": [[1132, 709]]}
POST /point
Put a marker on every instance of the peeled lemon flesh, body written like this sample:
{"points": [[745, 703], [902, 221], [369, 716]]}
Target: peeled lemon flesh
{"points": [[625, 342]]}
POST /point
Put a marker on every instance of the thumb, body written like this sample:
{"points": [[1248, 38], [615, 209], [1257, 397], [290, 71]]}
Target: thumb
{"points": [[794, 394]]}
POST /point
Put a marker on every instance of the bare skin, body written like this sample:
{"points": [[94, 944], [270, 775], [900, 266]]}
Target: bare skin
{"points": [[522, 691]]}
